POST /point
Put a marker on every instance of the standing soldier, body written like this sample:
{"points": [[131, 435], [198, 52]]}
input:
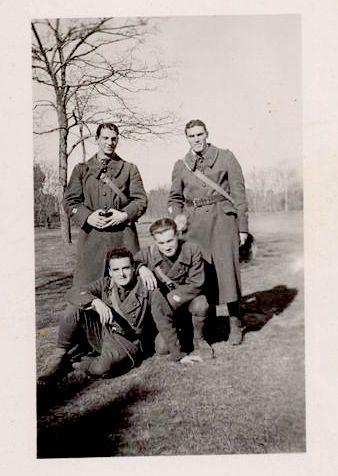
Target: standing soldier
{"points": [[105, 196], [208, 202]]}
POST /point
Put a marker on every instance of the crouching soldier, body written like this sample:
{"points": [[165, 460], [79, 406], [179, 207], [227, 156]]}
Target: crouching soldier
{"points": [[111, 313], [177, 268]]}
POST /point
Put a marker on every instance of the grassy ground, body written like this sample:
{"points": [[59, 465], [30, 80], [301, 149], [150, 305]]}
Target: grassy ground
{"points": [[249, 399]]}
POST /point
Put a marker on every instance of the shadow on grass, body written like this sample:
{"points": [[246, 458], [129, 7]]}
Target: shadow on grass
{"points": [[257, 309], [99, 432]]}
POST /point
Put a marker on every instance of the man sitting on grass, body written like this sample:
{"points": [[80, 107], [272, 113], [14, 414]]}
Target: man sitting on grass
{"points": [[110, 316], [177, 268]]}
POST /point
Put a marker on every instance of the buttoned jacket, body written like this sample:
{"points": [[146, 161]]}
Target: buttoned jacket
{"points": [[130, 322], [85, 193], [187, 272], [223, 168]]}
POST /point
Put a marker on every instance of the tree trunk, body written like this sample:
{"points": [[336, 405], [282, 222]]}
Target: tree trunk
{"points": [[63, 163], [84, 157]]}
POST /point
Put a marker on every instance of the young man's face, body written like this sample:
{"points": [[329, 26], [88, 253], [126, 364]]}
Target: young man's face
{"points": [[107, 141], [167, 242], [121, 271], [197, 137]]}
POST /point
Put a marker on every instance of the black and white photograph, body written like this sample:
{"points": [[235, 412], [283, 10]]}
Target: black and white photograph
{"points": [[168, 238], [168, 202]]}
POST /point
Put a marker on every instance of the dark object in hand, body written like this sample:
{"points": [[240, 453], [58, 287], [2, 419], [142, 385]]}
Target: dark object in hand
{"points": [[247, 251], [106, 214]]}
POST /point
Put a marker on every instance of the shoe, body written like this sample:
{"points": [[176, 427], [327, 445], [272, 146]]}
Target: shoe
{"points": [[235, 336], [203, 349]]}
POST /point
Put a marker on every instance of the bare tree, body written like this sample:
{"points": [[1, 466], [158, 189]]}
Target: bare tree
{"points": [[91, 66]]}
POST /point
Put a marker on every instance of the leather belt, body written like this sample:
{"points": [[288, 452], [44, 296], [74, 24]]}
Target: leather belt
{"points": [[201, 202]]}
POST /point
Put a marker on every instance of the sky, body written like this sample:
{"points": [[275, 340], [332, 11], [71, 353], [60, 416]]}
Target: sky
{"points": [[240, 74]]}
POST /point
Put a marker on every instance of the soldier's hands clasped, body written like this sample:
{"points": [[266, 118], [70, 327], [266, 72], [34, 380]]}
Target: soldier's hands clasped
{"points": [[101, 219]]}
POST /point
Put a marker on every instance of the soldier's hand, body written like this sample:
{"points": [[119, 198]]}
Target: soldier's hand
{"points": [[148, 278], [117, 218], [96, 220], [242, 237], [181, 222], [106, 316], [190, 359]]}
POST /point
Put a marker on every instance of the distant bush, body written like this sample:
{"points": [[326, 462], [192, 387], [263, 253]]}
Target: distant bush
{"points": [[157, 203]]}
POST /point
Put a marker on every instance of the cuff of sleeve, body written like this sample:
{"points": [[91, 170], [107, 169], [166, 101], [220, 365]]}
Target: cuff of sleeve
{"points": [[80, 215], [243, 224]]}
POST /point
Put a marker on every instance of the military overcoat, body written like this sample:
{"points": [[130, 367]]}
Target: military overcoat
{"points": [[214, 227], [85, 193]]}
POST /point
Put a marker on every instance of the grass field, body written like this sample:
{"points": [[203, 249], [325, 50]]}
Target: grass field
{"points": [[249, 399]]}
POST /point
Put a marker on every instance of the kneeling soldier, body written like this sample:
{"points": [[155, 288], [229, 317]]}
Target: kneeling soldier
{"points": [[111, 313], [177, 268]]}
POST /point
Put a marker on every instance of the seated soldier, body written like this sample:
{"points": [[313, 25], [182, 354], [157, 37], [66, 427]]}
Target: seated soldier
{"points": [[111, 313], [177, 268]]}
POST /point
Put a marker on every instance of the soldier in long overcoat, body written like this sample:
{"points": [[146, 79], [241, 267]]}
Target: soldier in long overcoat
{"points": [[206, 217], [105, 197]]}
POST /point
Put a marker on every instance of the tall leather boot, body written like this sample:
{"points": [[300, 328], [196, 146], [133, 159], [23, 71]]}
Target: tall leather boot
{"points": [[235, 336], [201, 346]]}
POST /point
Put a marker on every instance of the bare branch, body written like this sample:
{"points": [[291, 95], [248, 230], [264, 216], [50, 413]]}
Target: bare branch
{"points": [[84, 138]]}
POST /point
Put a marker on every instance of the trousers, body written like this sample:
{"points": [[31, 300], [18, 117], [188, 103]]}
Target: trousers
{"points": [[113, 352], [167, 320]]}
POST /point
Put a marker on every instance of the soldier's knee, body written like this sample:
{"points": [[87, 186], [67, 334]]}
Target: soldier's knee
{"points": [[199, 306], [159, 304]]}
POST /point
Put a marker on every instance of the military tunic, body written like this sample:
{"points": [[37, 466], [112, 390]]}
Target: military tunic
{"points": [[85, 194], [214, 227], [185, 272], [118, 343]]}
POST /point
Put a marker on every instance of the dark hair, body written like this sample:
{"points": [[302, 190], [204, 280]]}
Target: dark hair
{"points": [[193, 123], [106, 125], [161, 225], [117, 253]]}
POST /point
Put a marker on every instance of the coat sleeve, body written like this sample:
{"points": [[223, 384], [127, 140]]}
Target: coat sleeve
{"points": [[73, 198], [83, 296], [138, 197], [237, 191], [142, 258], [192, 287], [176, 197]]}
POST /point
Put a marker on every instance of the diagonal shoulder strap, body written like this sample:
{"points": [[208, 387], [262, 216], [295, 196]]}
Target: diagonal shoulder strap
{"points": [[108, 181], [209, 182]]}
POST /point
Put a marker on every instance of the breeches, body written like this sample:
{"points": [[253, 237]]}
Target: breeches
{"points": [[167, 320], [114, 352]]}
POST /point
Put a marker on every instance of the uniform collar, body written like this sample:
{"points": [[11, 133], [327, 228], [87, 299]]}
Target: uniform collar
{"points": [[113, 166], [138, 290], [209, 156], [159, 257]]}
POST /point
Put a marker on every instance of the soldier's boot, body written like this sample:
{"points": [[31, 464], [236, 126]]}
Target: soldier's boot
{"points": [[160, 345], [235, 335], [201, 346], [58, 366]]}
